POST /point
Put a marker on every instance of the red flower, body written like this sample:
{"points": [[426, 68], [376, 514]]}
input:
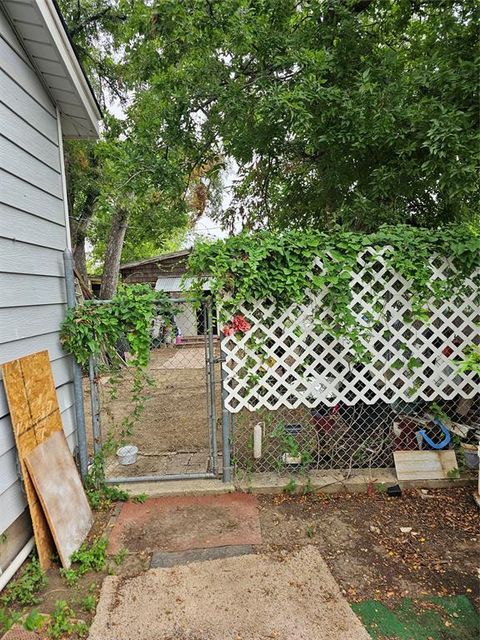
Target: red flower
{"points": [[228, 330], [239, 323]]}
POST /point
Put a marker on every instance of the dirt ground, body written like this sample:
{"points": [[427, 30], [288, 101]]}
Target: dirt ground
{"points": [[181, 523], [360, 537], [175, 419]]}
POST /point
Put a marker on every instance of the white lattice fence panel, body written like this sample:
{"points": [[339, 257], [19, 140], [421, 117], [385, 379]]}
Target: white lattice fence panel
{"points": [[290, 358]]}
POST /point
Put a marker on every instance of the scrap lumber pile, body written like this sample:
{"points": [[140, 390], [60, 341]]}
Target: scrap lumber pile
{"points": [[61, 515]]}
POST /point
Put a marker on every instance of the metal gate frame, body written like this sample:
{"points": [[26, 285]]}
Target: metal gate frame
{"points": [[210, 362]]}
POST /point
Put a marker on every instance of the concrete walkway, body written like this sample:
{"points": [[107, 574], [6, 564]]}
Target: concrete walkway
{"points": [[252, 597]]}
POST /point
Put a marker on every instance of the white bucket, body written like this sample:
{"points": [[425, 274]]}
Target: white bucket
{"points": [[127, 455]]}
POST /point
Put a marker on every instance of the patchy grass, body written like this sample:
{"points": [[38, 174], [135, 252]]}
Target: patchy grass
{"points": [[24, 590], [59, 603]]}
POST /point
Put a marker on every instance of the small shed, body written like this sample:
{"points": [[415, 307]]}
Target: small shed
{"points": [[166, 273], [44, 97], [167, 265]]}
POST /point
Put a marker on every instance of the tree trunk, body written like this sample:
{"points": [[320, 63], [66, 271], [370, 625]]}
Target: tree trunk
{"points": [[80, 259], [111, 265], [78, 229]]}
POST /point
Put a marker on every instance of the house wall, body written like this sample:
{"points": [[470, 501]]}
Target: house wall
{"points": [[32, 240]]}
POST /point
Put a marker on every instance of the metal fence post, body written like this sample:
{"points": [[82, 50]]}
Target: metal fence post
{"points": [[95, 404], [226, 436], [211, 388], [77, 372]]}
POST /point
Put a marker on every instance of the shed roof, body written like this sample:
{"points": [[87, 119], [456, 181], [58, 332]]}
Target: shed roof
{"points": [[173, 284], [42, 31], [161, 258]]}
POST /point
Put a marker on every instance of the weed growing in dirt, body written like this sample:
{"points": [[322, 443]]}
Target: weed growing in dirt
{"points": [[8, 619], [63, 622], [119, 557], [104, 496], [453, 474], [101, 495], [23, 590], [87, 558], [89, 603], [310, 532], [291, 487], [141, 498], [308, 488], [34, 621]]}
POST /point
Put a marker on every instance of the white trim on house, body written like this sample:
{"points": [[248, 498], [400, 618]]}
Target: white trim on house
{"points": [[43, 35], [68, 236]]}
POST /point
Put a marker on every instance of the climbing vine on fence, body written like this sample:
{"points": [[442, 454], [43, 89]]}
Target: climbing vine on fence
{"points": [[283, 266], [98, 329], [94, 329]]}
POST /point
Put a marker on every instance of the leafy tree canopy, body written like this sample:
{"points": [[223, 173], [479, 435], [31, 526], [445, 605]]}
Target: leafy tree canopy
{"points": [[350, 112], [137, 190]]}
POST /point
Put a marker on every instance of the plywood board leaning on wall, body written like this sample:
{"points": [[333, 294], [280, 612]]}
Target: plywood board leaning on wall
{"points": [[35, 415], [61, 493]]}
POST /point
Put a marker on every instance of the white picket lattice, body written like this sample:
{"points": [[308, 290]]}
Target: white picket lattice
{"points": [[288, 358]]}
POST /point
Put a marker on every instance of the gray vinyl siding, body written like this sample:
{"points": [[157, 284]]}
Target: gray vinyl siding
{"points": [[32, 240]]}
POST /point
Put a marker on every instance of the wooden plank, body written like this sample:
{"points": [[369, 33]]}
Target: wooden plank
{"points": [[62, 374], [61, 367], [424, 465], [35, 415], [61, 493], [8, 459]]}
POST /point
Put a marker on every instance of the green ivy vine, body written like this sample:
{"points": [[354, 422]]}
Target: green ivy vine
{"points": [[94, 329], [284, 266], [98, 329]]}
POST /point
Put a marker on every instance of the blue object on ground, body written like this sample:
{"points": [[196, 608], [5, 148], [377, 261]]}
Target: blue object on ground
{"points": [[437, 445]]}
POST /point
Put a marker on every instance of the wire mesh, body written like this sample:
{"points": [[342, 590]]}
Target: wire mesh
{"points": [[178, 431], [345, 437], [307, 392]]}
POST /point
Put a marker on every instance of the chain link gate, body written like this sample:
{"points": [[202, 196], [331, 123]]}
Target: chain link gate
{"points": [[179, 433]]}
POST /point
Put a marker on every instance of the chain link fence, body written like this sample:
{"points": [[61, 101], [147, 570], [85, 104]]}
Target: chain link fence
{"points": [[178, 431], [344, 437]]}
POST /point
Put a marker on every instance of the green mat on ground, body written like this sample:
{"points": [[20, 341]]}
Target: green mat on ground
{"points": [[434, 618]]}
